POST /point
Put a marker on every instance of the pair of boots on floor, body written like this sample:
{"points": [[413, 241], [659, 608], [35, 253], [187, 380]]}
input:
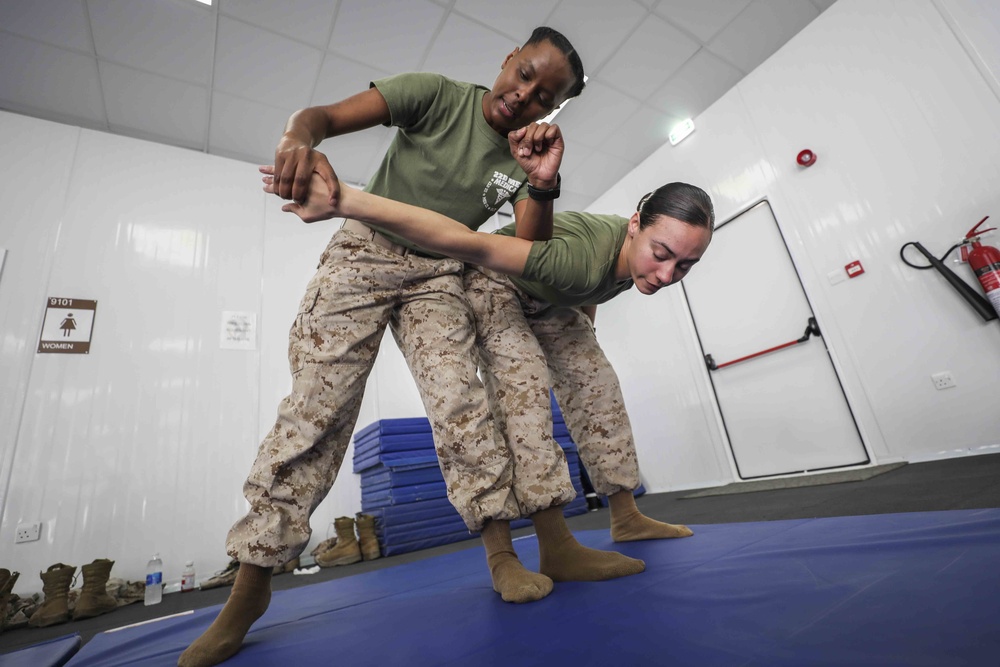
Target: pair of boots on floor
{"points": [[562, 558], [345, 548], [94, 599]]}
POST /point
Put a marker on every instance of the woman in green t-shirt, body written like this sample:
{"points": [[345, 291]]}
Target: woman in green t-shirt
{"points": [[367, 282], [539, 324], [535, 304]]}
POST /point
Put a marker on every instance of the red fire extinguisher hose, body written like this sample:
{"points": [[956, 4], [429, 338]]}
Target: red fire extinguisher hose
{"points": [[971, 296]]}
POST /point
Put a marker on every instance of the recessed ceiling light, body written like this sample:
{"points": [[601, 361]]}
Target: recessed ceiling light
{"points": [[680, 131]]}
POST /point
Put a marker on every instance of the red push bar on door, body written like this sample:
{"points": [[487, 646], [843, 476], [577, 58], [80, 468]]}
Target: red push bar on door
{"points": [[812, 329]]}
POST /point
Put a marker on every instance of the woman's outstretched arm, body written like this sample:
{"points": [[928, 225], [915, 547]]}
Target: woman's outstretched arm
{"points": [[431, 231]]}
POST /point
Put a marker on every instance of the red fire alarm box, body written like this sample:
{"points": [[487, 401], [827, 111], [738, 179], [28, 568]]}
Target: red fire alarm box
{"points": [[854, 269]]}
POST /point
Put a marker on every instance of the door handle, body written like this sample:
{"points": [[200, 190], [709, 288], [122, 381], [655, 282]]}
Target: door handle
{"points": [[812, 329]]}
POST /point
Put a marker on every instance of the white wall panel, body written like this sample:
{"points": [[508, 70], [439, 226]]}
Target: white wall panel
{"points": [[904, 124], [120, 451], [976, 24], [894, 166], [29, 227]]}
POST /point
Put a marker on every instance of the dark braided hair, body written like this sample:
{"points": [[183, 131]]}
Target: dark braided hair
{"points": [[558, 40], [687, 203]]}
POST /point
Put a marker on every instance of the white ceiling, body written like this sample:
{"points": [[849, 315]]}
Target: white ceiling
{"points": [[224, 79]]}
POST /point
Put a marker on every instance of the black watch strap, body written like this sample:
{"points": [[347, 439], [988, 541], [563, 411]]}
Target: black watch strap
{"points": [[545, 195]]}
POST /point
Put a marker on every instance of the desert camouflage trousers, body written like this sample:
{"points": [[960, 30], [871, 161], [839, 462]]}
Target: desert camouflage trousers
{"points": [[526, 346], [358, 290]]}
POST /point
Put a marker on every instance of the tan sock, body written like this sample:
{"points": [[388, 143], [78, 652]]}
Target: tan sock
{"points": [[511, 580], [247, 602], [628, 524], [565, 559]]}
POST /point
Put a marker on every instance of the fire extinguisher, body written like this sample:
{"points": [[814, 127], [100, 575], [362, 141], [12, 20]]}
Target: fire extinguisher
{"points": [[985, 262]]}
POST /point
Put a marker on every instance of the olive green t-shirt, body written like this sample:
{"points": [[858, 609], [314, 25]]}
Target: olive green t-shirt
{"points": [[444, 157], [576, 267]]}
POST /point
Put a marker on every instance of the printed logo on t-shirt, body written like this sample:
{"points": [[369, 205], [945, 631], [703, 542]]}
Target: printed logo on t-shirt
{"points": [[500, 188]]}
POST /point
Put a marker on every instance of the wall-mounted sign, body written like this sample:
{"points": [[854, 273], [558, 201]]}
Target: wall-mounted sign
{"points": [[239, 330], [67, 326]]}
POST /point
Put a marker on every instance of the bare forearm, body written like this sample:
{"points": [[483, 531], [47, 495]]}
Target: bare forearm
{"points": [[307, 127], [312, 125], [533, 220], [431, 231], [435, 232]]}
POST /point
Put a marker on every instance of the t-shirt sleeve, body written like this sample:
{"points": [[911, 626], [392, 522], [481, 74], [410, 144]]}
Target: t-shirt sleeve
{"points": [[409, 96], [563, 265]]}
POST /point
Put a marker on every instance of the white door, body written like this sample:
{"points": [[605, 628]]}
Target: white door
{"points": [[782, 403]]}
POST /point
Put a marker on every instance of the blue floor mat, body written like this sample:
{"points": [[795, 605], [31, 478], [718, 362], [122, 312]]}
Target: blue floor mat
{"points": [[52, 653], [401, 515], [381, 477], [393, 427], [395, 459], [895, 589]]}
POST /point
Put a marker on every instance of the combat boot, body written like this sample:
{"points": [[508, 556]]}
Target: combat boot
{"points": [[367, 537], [55, 586], [224, 578], [94, 600], [328, 543], [346, 550], [7, 581], [290, 566]]}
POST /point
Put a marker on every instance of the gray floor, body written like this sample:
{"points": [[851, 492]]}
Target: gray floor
{"points": [[963, 483]]}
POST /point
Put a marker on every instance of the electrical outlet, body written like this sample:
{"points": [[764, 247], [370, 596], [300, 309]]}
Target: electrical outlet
{"points": [[27, 532], [943, 380]]}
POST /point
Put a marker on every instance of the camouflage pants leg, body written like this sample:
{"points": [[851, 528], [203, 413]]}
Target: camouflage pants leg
{"points": [[517, 381], [589, 394], [332, 346], [435, 330]]}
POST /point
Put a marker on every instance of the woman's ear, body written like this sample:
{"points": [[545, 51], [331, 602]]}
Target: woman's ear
{"points": [[633, 225], [517, 49]]}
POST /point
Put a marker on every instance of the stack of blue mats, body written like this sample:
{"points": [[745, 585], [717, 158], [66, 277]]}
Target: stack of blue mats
{"points": [[402, 485]]}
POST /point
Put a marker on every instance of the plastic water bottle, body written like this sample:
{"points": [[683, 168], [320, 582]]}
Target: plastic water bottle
{"points": [[154, 580], [187, 577]]}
